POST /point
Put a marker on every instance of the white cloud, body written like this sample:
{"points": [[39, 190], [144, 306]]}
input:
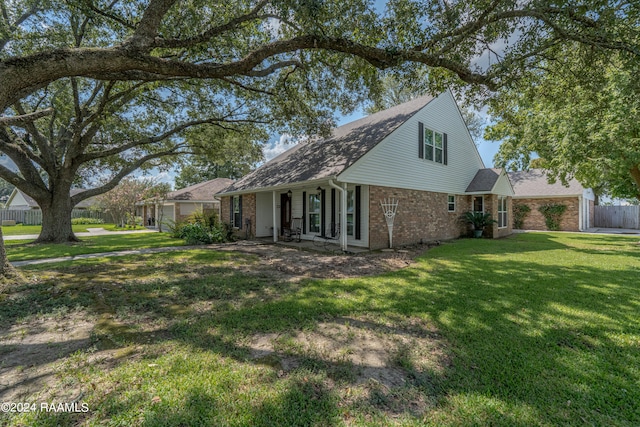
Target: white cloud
{"points": [[285, 142]]}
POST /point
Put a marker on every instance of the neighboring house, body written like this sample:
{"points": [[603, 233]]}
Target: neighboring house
{"points": [[533, 189], [180, 204], [419, 153], [21, 201]]}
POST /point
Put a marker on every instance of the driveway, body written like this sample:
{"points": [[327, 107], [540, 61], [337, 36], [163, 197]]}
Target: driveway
{"points": [[600, 230]]}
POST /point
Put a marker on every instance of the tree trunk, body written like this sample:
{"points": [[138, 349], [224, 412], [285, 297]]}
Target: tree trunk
{"points": [[5, 267], [56, 219]]}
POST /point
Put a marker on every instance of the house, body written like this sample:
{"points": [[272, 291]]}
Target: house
{"points": [[179, 204], [21, 201], [532, 188], [418, 153]]}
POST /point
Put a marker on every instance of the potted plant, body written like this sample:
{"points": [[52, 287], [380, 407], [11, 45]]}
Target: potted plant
{"points": [[479, 221]]}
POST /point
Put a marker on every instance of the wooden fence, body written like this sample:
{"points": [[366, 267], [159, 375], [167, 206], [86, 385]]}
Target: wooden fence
{"points": [[34, 216], [617, 217]]}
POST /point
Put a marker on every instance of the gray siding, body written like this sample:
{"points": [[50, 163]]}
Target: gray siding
{"points": [[395, 162]]}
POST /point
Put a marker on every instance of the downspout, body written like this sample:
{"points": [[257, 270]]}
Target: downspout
{"points": [[343, 213], [275, 222], [580, 214]]}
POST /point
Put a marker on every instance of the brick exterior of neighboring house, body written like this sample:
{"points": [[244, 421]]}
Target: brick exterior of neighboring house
{"points": [[534, 189], [536, 221]]}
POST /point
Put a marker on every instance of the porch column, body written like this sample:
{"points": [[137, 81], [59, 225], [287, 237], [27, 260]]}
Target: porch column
{"points": [[275, 222], [343, 218]]}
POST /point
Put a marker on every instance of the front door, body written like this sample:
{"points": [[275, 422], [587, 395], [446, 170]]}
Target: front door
{"points": [[285, 212]]}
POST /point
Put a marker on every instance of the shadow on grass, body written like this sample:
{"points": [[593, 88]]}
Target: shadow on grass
{"points": [[544, 338]]}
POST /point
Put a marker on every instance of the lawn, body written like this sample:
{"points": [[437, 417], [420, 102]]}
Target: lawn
{"points": [[18, 250], [539, 329], [20, 229]]}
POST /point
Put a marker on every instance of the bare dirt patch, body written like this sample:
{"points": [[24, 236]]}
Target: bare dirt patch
{"points": [[301, 262], [30, 353], [386, 366], [372, 358]]}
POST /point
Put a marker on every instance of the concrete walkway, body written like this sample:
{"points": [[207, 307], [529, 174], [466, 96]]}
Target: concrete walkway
{"points": [[89, 232], [105, 254]]}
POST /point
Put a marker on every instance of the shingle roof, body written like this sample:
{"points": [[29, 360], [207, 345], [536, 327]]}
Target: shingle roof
{"points": [[534, 183], [202, 191], [321, 158], [484, 181]]}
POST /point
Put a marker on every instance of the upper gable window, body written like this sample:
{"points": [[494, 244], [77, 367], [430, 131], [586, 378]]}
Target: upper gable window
{"points": [[433, 145]]}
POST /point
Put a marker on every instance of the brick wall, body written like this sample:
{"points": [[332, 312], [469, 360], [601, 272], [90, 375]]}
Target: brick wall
{"points": [[592, 213], [535, 220], [491, 206], [421, 216], [248, 211]]}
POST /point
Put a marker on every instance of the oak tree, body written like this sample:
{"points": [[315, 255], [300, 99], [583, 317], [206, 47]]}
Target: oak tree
{"points": [[296, 62], [584, 122]]}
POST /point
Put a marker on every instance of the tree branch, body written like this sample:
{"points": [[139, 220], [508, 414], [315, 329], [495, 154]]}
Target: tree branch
{"points": [[113, 17], [22, 119], [41, 142], [147, 28], [77, 198], [212, 32]]}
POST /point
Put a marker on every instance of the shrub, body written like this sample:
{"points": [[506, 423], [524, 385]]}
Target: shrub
{"points": [[479, 220], [201, 229], [196, 234], [552, 215], [76, 221], [520, 212]]}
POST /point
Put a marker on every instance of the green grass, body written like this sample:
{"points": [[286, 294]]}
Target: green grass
{"points": [[20, 229], [20, 251], [539, 329]]}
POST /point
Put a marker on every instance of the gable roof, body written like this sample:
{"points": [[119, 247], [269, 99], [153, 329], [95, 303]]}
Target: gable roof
{"points": [[34, 205], [30, 202], [534, 183], [320, 158], [484, 181], [203, 191]]}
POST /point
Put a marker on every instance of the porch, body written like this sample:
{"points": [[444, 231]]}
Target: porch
{"points": [[338, 212]]}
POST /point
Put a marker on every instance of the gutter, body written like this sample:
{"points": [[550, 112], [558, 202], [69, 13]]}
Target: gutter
{"points": [[279, 187]]}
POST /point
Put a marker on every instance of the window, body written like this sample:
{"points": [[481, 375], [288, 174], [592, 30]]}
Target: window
{"points": [[237, 212], [451, 201], [350, 213], [502, 212], [434, 146], [478, 204], [314, 213], [428, 144]]}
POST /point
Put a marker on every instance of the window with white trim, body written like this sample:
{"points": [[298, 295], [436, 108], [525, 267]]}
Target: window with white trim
{"points": [[451, 202], [433, 146], [502, 212], [314, 213], [478, 204]]}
